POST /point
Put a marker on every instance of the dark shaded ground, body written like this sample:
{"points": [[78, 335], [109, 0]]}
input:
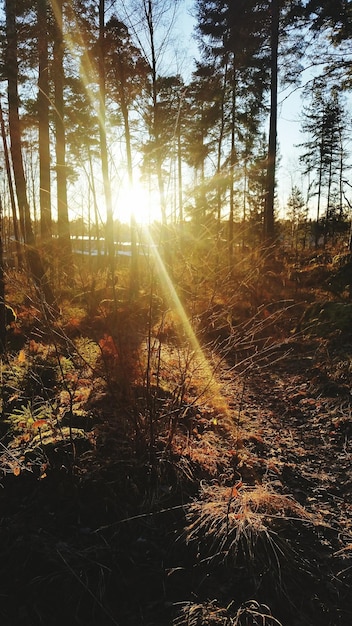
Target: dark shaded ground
{"points": [[104, 541]]}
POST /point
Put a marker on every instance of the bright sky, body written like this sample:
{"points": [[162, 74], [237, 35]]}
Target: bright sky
{"points": [[289, 135]]}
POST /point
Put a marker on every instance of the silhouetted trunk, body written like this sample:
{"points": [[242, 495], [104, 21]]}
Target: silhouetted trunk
{"points": [[220, 148], [148, 7], [2, 291], [134, 275], [103, 144], [43, 120], [232, 163], [32, 256], [269, 222], [179, 170], [60, 140], [95, 202], [12, 193]]}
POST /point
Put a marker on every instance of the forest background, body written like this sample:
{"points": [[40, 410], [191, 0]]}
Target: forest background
{"points": [[110, 129]]}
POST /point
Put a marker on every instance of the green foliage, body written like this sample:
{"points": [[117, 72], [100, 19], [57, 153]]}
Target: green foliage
{"points": [[29, 418]]}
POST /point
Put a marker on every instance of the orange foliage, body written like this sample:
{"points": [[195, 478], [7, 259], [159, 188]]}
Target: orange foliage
{"points": [[108, 347]]}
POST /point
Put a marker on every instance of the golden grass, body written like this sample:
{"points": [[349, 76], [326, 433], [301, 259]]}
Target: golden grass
{"points": [[228, 521]]}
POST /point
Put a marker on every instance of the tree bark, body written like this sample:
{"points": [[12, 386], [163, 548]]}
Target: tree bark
{"points": [[12, 193], [232, 164], [269, 222], [43, 120], [148, 8], [134, 274], [2, 292], [103, 144], [60, 140]]}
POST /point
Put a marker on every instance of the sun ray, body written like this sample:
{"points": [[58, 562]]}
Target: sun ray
{"points": [[211, 387], [89, 66]]}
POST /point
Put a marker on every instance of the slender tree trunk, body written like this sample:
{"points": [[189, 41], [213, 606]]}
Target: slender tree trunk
{"points": [[43, 118], [219, 149], [12, 193], [179, 171], [341, 169], [95, 202], [32, 255], [232, 163], [2, 290], [320, 185], [245, 192], [148, 7], [60, 141], [134, 275], [269, 223], [103, 144]]}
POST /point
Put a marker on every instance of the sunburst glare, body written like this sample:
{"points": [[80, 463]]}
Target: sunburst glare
{"points": [[136, 201]]}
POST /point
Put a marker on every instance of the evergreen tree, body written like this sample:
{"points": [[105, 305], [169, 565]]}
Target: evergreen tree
{"points": [[201, 120], [32, 255], [296, 214], [324, 156], [234, 34]]}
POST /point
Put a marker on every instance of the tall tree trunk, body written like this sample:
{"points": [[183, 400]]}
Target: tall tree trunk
{"points": [[179, 170], [103, 144], [320, 186], [43, 118], [219, 148], [12, 193], [91, 179], [2, 291], [32, 255], [232, 163], [269, 222], [148, 7], [134, 274], [60, 140]]}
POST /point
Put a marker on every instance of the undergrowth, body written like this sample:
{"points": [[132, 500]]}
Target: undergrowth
{"points": [[117, 410]]}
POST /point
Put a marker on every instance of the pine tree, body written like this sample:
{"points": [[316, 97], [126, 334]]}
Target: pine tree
{"points": [[32, 255], [324, 157]]}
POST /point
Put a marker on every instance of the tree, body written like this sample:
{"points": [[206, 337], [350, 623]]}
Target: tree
{"points": [[284, 15], [43, 122], [272, 147], [82, 138], [202, 104], [109, 233], [60, 136], [257, 188], [324, 156], [150, 23], [16, 229], [126, 76], [233, 34], [2, 290], [296, 213], [32, 255]]}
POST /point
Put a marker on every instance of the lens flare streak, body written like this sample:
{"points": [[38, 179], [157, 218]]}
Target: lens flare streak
{"points": [[210, 385]]}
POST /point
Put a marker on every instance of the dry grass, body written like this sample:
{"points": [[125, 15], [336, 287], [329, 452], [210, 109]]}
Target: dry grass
{"points": [[242, 522], [251, 613]]}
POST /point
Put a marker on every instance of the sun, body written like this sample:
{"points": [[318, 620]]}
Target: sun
{"points": [[136, 201]]}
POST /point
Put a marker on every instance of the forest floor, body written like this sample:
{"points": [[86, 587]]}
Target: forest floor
{"points": [[298, 425], [237, 517]]}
